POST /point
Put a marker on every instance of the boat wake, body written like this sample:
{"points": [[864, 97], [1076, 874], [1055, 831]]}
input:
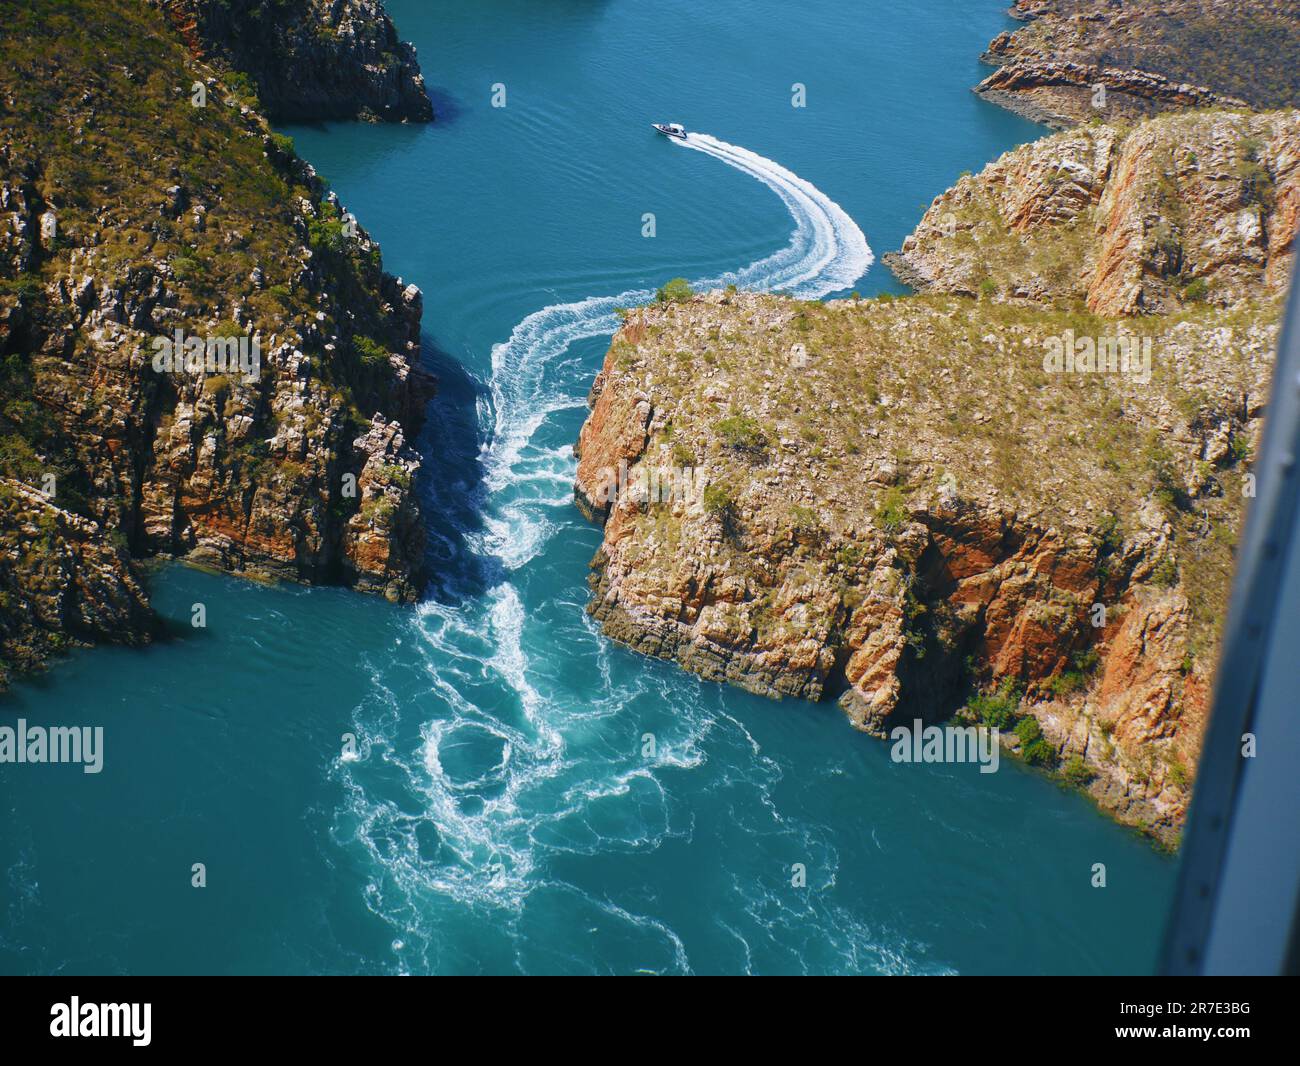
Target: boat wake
{"points": [[519, 765], [827, 253]]}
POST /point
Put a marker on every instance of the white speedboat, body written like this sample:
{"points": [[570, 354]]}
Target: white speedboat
{"points": [[670, 129]]}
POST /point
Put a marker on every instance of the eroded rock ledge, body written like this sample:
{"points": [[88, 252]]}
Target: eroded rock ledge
{"points": [[1148, 56], [898, 504]]}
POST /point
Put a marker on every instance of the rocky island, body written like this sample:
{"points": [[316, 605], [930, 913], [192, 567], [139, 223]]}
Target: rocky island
{"points": [[1079, 60], [144, 196], [1013, 498]]}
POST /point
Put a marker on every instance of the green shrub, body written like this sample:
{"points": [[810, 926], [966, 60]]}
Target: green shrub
{"points": [[217, 386], [19, 460], [371, 353], [1110, 535], [1076, 771], [1028, 730], [717, 499], [742, 433], [624, 354], [281, 294], [892, 515], [1167, 487], [804, 519], [244, 88], [998, 709], [284, 143], [1256, 182], [185, 267], [379, 509], [682, 455], [327, 234], [1165, 573], [397, 475], [674, 292], [1034, 748], [229, 328], [719, 502], [1083, 663], [26, 286], [850, 555], [1086, 661], [1066, 682]]}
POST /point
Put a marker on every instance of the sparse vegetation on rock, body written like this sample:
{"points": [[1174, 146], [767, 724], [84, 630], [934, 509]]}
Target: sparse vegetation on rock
{"points": [[935, 516], [126, 214]]}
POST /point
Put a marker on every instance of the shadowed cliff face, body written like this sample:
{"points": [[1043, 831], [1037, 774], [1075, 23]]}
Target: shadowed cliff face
{"points": [[920, 508], [61, 582], [1077, 60], [309, 59], [275, 443]]}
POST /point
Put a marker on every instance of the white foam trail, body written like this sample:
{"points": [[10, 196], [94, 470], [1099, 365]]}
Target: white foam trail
{"points": [[826, 253], [488, 828]]}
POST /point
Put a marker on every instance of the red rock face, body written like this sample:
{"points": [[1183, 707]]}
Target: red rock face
{"points": [[1228, 178], [614, 434], [1182, 209], [265, 477], [1014, 599], [1036, 606]]}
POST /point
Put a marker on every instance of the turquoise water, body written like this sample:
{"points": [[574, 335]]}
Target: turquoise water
{"points": [[499, 815]]}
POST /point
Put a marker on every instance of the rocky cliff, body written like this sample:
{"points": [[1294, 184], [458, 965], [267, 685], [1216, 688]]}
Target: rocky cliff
{"points": [[62, 582], [1019, 507], [276, 442], [1077, 60], [308, 59], [1152, 218]]}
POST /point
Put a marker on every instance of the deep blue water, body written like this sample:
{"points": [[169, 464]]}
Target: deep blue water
{"points": [[499, 815]]}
